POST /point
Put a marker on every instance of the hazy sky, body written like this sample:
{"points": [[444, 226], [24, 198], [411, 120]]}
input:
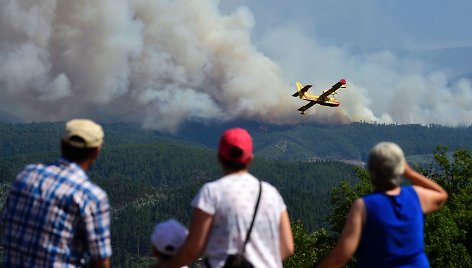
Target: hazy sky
{"points": [[373, 24], [161, 62]]}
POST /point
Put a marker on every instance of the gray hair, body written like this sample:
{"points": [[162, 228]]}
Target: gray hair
{"points": [[386, 164]]}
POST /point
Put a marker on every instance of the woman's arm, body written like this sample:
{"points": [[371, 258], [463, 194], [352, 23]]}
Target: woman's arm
{"points": [[350, 237], [193, 247], [432, 196], [286, 236]]}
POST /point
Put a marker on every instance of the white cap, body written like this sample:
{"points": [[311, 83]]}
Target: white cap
{"points": [[83, 133], [169, 236]]}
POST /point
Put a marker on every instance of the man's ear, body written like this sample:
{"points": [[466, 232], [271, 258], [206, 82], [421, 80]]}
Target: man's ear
{"points": [[96, 152]]}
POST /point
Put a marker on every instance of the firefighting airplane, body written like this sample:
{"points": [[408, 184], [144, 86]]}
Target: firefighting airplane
{"points": [[322, 99]]}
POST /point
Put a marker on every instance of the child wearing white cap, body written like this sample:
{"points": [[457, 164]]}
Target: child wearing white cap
{"points": [[167, 238]]}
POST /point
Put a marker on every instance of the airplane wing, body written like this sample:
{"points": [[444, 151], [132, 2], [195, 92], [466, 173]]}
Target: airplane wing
{"points": [[305, 107], [341, 83], [301, 90]]}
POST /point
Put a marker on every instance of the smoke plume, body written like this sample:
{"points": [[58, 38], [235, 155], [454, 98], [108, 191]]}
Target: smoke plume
{"points": [[161, 63]]}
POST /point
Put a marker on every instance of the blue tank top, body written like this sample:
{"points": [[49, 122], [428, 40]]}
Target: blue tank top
{"points": [[393, 235]]}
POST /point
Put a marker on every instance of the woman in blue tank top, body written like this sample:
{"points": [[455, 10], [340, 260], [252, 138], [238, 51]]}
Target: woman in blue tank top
{"points": [[386, 227]]}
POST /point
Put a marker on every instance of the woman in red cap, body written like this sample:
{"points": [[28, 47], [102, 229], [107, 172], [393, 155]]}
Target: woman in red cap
{"points": [[225, 209]]}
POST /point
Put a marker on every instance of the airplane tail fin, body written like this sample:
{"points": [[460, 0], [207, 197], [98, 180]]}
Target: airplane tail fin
{"points": [[299, 86]]}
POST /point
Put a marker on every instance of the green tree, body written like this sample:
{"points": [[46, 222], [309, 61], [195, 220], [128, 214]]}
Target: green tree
{"points": [[309, 247], [448, 236]]}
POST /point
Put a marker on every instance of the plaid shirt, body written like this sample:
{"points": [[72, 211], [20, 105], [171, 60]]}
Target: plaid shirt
{"points": [[53, 216]]}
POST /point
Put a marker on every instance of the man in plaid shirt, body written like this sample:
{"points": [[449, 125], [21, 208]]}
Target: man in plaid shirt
{"points": [[55, 216]]}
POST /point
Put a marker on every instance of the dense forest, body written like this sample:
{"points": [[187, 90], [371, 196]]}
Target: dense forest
{"points": [[300, 142], [151, 176]]}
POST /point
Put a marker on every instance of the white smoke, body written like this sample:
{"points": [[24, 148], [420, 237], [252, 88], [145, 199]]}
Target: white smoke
{"points": [[162, 62], [158, 62]]}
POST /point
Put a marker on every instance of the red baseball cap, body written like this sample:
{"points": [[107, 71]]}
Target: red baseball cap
{"points": [[232, 140]]}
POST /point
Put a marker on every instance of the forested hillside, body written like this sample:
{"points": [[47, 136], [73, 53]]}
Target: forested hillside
{"points": [[302, 142], [151, 176], [355, 140]]}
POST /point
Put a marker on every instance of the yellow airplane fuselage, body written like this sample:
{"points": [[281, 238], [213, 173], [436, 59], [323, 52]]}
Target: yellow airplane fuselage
{"points": [[328, 101]]}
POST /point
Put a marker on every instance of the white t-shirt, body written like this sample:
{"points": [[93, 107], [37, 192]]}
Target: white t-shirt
{"points": [[231, 200]]}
